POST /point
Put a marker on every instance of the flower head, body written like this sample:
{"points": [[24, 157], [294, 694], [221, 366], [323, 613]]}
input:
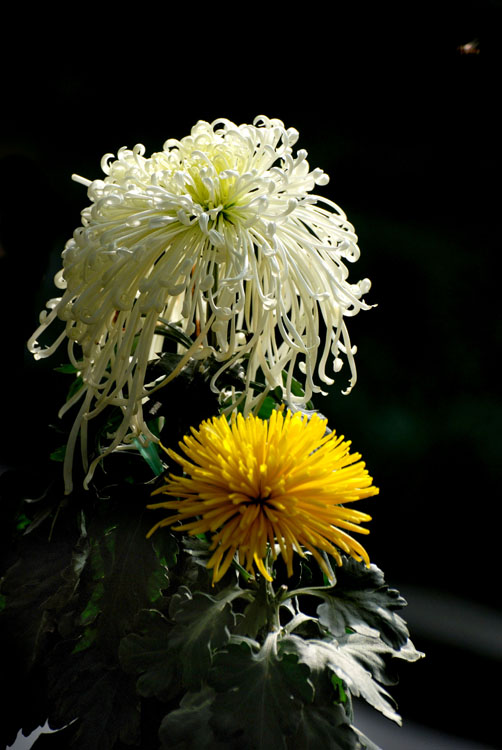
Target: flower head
{"points": [[220, 234], [278, 485]]}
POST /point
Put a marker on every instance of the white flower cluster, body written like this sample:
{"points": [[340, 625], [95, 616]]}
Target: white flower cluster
{"points": [[219, 234]]}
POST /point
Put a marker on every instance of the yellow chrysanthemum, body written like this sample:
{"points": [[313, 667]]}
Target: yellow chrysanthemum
{"points": [[256, 485]]}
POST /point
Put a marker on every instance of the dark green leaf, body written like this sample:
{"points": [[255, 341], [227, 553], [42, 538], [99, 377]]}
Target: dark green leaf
{"points": [[60, 740], [133, 576], [150, 454], [198, 549], [42, 578], [259, 694], [75, 386], [166, 547], [188, 728], [147, 653], [202, 624], [362, 601], [267, 408], [296, 388], [59, 454], [67, 368], [102, 697], [37, 589], [325, 727], [22, 522], [255, 616]]}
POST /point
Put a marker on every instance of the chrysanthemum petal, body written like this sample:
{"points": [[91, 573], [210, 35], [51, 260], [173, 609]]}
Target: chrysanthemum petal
{"points": [[220, 234], [278, 507]]}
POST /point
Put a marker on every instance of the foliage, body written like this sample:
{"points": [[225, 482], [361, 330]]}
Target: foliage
{"points": [[122, 641]]}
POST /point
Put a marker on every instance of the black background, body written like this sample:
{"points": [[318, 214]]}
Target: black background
{"points": [[408, 129]]}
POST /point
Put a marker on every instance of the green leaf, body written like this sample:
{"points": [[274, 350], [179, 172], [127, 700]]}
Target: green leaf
{"points": [[338, 685], [22, 522], [267, 408], [328, 654], [42, 579], [255, 615], [166, 547], [133, 576], [59, 740], [296, 388], [36, 590], [372, 653], [150, 454], [259, 694], [101, 696], [325, 727], [67, 368], [365, 742], [59, 454], [362, 601], [74, 387], [124, 575], [147, 653], [202, 624], [188, 728], [198, 549]]}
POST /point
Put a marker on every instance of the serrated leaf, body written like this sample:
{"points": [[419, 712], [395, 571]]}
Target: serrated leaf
{"points": [[147, 653], [255, 615], [203, 623], [259, 694], [60, 740], [325, 727], [43, 574], [365, 742], [198, 549], [187, 728], [372, 653], [166, 547], [132, 577], [102, 698], [362, 601], [38, 588], [328, 654]]}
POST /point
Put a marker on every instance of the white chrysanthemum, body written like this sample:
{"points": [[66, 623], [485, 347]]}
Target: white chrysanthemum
{"points": [[220, 234]]}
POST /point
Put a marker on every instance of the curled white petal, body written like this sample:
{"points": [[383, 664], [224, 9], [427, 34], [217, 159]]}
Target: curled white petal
{"points": [[219, 233]]}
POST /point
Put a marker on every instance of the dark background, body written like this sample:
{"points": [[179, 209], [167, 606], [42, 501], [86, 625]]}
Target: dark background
{"points": [[408, 129]]}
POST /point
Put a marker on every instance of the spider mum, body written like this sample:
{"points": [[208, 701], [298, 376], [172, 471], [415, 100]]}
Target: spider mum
{"points": [[278, 485], [219, 234]]}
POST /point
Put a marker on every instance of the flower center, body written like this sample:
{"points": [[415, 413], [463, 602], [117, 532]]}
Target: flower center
{"points": [[260, 500], [222, 188]]}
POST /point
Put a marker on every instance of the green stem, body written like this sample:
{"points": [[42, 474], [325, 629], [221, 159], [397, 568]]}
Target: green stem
{"points": [[273, 598], [242, 570], [311, 591]]}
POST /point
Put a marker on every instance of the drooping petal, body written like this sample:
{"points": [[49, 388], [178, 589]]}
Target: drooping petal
{"points": [[220, 234]]}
